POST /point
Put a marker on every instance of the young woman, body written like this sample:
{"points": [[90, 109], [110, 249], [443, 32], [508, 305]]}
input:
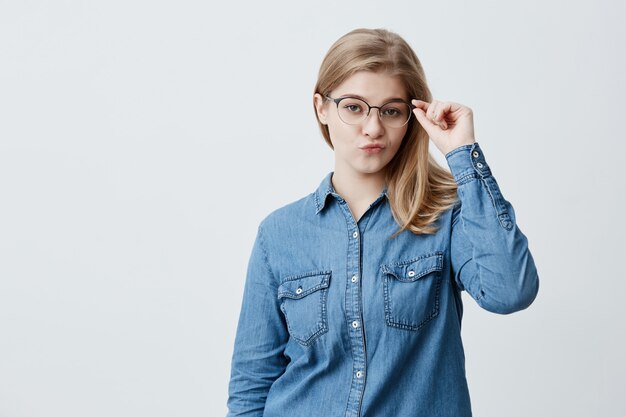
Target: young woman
{"points": [[352, 302]]}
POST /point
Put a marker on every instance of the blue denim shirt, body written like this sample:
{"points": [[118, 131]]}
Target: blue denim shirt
{"points": [[339, 320]]}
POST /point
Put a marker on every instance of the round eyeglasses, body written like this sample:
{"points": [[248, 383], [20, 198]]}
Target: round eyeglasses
{"points": [[353, 111]]}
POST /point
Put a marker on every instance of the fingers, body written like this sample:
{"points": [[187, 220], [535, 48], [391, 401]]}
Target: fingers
{"points": [[433, 112], [437, 114], [420, 111]]}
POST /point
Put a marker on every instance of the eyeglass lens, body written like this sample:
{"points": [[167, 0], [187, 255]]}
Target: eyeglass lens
{"points": [[354, 111]]}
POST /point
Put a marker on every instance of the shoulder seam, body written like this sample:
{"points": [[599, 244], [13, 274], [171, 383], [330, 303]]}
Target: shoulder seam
{"points": [[265, 254]]}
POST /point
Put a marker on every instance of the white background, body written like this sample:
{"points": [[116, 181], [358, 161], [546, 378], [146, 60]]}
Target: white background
{"points": [[141, 142]]}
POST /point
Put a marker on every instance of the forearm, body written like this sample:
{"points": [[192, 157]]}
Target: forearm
{"points": [[491, 258]]}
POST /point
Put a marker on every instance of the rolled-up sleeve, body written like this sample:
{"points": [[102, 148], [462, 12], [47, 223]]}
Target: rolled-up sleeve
{"points": [[489, 253], [260, 339]]}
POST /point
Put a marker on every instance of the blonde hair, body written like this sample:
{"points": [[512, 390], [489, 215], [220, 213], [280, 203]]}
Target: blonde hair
{"points": [[419, 189]]}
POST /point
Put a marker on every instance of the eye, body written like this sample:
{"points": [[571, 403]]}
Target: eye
{"points": [[395, 111], [353, 108], [392, 112]]}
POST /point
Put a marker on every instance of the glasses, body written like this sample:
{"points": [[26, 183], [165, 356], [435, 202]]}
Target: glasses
{"points": [[353, 111]]}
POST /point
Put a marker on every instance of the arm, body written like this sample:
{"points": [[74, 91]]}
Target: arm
{"points": [[489, 253], [260, 340]]}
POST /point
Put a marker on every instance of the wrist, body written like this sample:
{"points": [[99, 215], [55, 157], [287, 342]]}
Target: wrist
{"points": [[458, 148]]}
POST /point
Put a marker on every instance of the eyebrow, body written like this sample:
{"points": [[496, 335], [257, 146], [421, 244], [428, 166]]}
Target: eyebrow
{"points": [[362, 98]]}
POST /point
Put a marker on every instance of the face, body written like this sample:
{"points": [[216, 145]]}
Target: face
{"points": [[375, 88]]}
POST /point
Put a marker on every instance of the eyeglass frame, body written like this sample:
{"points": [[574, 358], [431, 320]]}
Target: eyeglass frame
{"points": [[369, 108]]}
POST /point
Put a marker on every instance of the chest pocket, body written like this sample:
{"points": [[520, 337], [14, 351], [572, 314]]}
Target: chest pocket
{"points": [[303, 302], [411, 289]]}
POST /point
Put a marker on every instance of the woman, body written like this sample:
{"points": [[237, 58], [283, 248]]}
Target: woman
{"points": [[352, 302]]}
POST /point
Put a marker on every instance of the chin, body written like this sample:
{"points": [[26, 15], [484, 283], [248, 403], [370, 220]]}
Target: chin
{"points": [[372, 170]]}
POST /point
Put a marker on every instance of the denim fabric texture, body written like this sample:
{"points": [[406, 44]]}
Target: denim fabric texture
{"points": [[339, 320]]}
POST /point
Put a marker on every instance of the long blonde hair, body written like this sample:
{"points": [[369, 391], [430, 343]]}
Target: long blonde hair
{"points": [[419, 189]]}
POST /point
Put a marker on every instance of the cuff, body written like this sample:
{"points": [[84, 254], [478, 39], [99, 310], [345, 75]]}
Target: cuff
{"points": [[467, 162]]}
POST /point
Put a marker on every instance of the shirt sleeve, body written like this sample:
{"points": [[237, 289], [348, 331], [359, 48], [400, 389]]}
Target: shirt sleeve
{"points": [[489, 253], [260, 339]]}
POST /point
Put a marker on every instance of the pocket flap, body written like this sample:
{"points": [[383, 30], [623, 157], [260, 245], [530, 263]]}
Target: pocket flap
{"points": [[302, 285], [414, 269]]}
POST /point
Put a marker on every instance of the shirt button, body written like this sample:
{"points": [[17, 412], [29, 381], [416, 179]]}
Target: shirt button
{"points": [[299, 290], [359, 374], [475, 154], [411, 273], [355, 234], [479, 165], [355, 324], [354, 278]]}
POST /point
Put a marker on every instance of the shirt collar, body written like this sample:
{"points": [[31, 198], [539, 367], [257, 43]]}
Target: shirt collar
{"points": [[326, 187]]}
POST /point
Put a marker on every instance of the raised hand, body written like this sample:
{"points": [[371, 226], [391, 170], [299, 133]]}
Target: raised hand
{"points": [[448, 124]]}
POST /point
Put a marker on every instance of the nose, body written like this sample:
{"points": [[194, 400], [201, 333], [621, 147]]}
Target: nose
{"points": [[373, 126]]}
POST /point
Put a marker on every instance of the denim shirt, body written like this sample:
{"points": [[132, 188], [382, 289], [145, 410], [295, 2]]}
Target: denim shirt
{"points": [[339, 320]]}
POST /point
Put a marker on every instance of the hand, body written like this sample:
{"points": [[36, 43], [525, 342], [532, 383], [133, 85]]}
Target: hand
{"points": [[448, 124]]}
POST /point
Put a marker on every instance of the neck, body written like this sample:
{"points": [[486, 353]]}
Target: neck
{"points": [[358, 186]]}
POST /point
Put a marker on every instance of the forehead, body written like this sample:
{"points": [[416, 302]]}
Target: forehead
{"points": [[372, 86]]}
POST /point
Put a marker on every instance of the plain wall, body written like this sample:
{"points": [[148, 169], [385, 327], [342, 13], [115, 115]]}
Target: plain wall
{"points": [[141, 142]]}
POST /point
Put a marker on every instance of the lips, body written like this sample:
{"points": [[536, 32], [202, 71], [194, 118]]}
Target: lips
{"points": [[372, 149], [372, 146]]}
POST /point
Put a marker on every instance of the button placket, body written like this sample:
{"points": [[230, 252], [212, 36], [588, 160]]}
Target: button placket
{"points": [[353, 306]]}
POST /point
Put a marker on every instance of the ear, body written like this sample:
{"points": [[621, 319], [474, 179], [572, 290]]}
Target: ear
{"points": [[320, 108]]}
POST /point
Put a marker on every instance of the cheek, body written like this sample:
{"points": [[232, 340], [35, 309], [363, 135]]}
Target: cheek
{"points": [[398, 141], [340, 133], [400, 136]]}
